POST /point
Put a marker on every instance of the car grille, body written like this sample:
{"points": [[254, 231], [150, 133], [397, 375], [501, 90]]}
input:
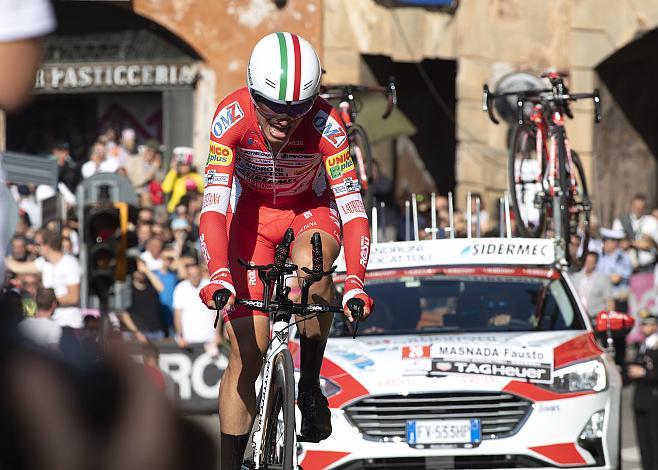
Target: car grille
{"points": [[385, 417], [435, 463]]}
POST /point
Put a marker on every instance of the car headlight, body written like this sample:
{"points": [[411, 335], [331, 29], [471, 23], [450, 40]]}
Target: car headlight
{"points": [[594, 427], [582, 377], [329, 387]]}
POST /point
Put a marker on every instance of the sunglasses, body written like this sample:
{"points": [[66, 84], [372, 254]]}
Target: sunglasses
{"points": [[270, 109]]}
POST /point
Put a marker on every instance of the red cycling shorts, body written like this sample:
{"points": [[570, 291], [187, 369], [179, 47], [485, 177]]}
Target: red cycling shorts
{"points": [[255, 230]]}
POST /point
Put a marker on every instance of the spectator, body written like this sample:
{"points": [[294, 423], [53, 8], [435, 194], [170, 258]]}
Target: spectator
{"points": [[641, 230], [192, 319], [645, 401], [182, 177], [115, 157], [144, 233], [128, 142], [144, 168], [142, 319], [595, 241], [182, 245], [152, 256], [19, 250], [61, 272], [28, 284], [145, 216], [67, 170], [593, 286], [41, 328], [72, 235], [96, 163], [616, 264], [169, 279]]}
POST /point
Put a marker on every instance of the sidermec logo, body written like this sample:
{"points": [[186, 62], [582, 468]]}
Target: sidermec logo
{"points": [[329, 128], [226, 118], [501, 248]]}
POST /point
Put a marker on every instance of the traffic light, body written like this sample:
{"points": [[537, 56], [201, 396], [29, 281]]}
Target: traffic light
{"points": [[102, 235]]}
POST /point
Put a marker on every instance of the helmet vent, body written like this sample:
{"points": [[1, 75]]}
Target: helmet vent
{"points": [[270, 83], [308, 84]]}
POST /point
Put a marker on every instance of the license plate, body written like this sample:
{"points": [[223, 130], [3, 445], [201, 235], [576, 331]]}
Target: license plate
{"points": [[444, 431]]}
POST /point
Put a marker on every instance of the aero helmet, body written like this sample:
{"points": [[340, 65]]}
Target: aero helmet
{"points": [[284, 69]]}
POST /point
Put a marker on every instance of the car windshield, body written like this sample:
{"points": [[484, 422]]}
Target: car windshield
{"points": [[470, 303]]}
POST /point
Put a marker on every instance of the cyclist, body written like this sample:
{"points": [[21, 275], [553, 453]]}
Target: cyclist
{"points": [[278, 158]]}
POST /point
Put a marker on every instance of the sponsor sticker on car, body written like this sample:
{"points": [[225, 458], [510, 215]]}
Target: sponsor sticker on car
{"points": [[534, 364]]}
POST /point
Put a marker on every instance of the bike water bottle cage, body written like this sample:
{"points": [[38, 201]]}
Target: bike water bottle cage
{"points": [[272, 109]]}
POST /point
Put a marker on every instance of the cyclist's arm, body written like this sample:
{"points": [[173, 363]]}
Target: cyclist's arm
{"points": [[217, 192], [344, 182]]}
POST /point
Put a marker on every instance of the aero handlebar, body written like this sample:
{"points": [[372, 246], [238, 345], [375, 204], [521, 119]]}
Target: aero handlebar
{"points": [[548, 95], [346, 92], [273, 276]]}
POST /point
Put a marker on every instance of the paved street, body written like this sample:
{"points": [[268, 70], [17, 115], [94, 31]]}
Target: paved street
{"points": [[630, 451]]}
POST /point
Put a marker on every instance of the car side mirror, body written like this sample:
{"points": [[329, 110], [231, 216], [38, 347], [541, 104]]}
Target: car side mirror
{"points": [[617, 322]]}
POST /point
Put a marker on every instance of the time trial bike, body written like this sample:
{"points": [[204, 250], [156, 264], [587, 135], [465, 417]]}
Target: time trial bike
{"points": [[274, 439], [546, 177]]}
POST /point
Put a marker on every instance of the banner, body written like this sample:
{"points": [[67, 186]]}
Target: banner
{"points": [[196, 375]]}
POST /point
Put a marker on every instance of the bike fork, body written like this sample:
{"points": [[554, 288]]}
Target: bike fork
{"points": [[279, 330]]}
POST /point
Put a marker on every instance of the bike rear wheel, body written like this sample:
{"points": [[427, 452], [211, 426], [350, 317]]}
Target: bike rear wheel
{"points": [[277, 446], [363, 163], [525, 176]]}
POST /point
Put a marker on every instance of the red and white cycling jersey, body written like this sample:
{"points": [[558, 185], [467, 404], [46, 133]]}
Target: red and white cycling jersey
{"points": [[240, 165]]}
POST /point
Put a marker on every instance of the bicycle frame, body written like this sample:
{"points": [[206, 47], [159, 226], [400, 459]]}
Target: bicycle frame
{"points": [[279, 340], [549, 127]]}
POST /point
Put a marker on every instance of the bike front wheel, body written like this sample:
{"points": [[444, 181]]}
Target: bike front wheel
{"points": [[278, 442], [363, 163], [526, 170]]}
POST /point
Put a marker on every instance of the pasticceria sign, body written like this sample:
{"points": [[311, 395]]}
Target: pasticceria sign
{"points": [[78, 77]]}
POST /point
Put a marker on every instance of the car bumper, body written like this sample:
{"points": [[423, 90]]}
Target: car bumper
{"points": [[549, 437]]}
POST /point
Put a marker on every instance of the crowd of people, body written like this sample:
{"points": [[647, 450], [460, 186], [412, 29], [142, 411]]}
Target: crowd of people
{"points": [[170, 271], [43, 259]]}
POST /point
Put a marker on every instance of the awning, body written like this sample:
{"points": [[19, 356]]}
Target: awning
{"points": [[370, 106]]}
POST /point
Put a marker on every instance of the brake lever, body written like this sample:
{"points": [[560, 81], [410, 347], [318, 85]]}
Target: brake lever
{"points": [[220, 297], [356, 310]]}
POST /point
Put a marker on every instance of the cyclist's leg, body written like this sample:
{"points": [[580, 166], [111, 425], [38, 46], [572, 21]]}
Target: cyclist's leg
{"points": [[248, 332], [318, 216], [316, 417]]}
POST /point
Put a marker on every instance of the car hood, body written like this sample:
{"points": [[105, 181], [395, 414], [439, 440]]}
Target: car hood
{"points": [[415, 363]]}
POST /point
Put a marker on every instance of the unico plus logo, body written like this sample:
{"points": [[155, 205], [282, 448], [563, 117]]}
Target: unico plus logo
{"points": [[329, 128], [226, 118]]}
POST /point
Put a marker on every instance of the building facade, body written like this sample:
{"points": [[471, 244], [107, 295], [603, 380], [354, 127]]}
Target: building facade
{"points": [[161, 67]]}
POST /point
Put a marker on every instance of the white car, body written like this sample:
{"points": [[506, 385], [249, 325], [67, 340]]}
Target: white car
{"points": [[479, 355]]}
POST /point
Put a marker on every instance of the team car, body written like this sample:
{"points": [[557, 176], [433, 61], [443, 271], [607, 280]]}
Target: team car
{"points": [[479, 355]]}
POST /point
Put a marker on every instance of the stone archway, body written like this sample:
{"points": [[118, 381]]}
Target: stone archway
{"points": [[626, 143]]}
